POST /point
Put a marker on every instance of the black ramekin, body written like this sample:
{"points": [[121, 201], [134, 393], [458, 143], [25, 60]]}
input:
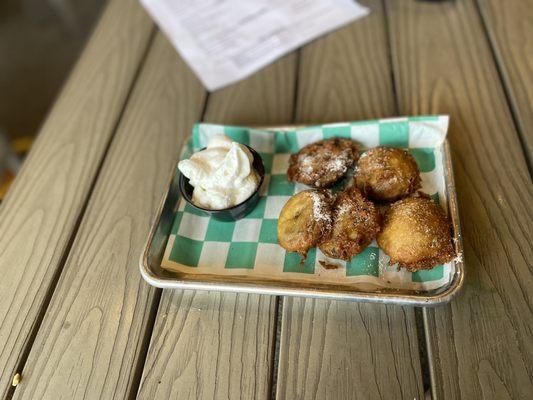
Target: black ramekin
{"points": [[232, 213]]}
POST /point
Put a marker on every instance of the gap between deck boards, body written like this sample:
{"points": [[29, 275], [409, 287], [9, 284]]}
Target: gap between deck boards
{"points": [[139, 368], [506, 90]]}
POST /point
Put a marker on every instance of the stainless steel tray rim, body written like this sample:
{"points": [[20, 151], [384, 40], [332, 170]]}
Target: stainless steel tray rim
{"points": [[369, 297]]}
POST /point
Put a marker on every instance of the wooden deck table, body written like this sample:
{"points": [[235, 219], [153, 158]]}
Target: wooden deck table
{"points": [[78, 322]]}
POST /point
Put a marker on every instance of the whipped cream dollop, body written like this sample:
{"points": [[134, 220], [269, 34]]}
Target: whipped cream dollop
{"points": [[222, 174]]}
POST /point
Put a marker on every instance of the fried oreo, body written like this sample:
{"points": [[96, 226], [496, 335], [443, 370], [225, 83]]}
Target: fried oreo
{"points": [[323, 163], [386, 174], [356, 222], [416, 234]]}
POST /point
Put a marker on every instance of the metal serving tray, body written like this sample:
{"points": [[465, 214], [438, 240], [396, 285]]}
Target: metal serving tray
{"points": [[152, 255]]}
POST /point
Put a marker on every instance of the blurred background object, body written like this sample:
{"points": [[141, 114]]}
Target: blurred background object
{"points": [[10, 159], [39, 43]]}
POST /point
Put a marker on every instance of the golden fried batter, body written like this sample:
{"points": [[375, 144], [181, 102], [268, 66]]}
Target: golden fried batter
{"points": [[387, 174], [356, 223], [323, 163], [304, 219], [416, 234]]}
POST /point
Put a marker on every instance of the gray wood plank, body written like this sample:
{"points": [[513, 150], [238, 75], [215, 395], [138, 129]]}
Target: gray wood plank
{"points": [[266, 98], [480, 344], [220, 345], [209, 345], [40, 213], [342, 350], [510, 28], [92, 341], [347, 74]]}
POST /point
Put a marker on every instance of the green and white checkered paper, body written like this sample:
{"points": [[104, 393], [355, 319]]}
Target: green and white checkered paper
{"points": [[249, 247]]}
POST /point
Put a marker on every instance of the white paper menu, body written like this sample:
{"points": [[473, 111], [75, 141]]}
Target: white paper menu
{"points": [[224, 41]]}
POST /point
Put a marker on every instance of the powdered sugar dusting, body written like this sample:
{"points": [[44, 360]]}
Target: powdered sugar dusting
{"points": [[343, 208], [320, 212], [331, 163], [306, 164], [338, 164]]}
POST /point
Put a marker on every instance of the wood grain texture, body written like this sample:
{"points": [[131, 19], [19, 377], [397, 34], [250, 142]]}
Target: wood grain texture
{"points": [[346, 74], [40, 213], [209, 345], [266, 98], [213, 345], [90, 345], [510, 28], [343, 350], [481, 343]]}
